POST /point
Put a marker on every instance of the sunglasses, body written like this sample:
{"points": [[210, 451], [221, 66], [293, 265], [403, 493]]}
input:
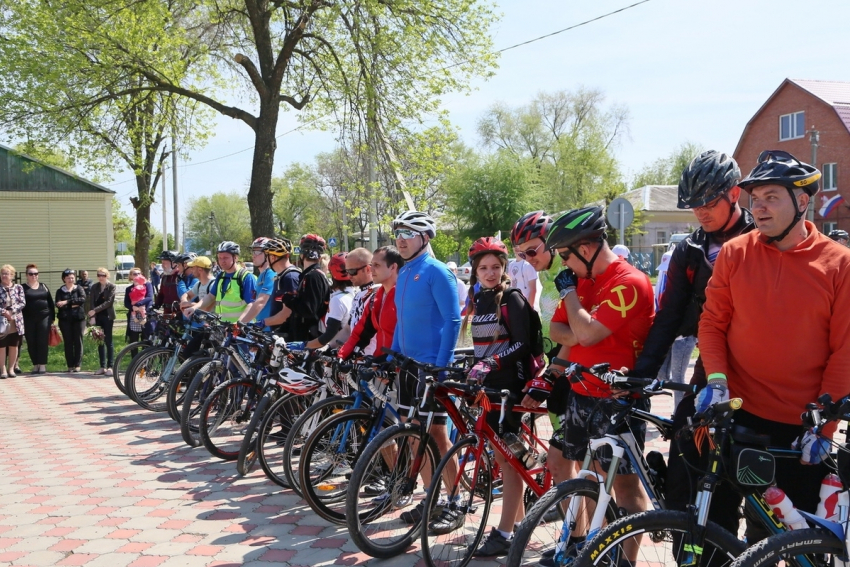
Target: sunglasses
{"points": [[709, 206], [531, 253], [32, 273], [256, 252], [405, 234], [353, 271], [101, 275], [565, 255]]}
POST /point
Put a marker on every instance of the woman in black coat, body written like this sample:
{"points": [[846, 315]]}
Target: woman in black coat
{"points": [[102, 301], [38, 317], [70, 299]]}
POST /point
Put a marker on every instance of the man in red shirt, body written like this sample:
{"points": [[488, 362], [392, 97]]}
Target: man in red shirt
{"points": [[605, 313]]}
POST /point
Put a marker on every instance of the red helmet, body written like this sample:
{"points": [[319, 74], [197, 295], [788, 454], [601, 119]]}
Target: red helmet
{"points": [[531, 226], [489, 245], [336, 266], [312, 240]]}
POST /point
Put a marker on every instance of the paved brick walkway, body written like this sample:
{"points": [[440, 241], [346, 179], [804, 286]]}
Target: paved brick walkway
{"points": [[88, 478]]}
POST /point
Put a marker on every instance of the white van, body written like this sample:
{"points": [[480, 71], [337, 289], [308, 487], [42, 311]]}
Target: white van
{"points": [[123, 265]]}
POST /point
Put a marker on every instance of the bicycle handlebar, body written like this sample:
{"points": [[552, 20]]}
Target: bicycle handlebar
{"points": [[614, 378]]}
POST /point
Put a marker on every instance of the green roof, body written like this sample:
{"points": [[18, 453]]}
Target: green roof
{"points": [[19, 172]]}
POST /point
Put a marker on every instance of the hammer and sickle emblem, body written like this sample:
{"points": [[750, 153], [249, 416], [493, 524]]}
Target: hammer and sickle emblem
{"points": [[622, 307]]}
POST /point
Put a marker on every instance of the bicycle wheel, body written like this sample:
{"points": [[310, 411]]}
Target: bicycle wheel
{"points": [[248, 449], [179, 385], [146, 376], [123, 360], [280, 451], [822, 548], [461, 508], [328, 457], [541, 529], [205, 381], [383, 525], [225, 416], [658, 538]]}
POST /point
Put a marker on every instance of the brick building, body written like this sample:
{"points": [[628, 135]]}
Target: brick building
{"points": [[785, 122]]}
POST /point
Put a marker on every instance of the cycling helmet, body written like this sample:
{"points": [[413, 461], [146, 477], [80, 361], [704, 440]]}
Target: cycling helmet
{"points": [[168, 255], [487, 245], [297, 382], [312, 246], [336, 267], [571, 228], [259, 242], [185, 258], [709, 176], [414, 220], [531, 226], [776, 167], [229, 247], [278, 247], [839, 235]]}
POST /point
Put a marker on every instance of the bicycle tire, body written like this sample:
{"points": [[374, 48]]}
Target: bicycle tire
{"points": [[662, 533], [248, 449], [205, 381], [540, 530], [123, 359], [324, 470], [143, 379], [294, 440], [474, 497], [180, 384], [362, 512], [822, 548], [225, 416]]}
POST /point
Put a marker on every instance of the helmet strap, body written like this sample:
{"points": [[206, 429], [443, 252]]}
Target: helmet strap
{"points": [[421, 248], [723, 234], [797, 216], [587, 263]]}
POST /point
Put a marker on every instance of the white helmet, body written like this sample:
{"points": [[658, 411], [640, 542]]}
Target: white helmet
{"points": [[296, 382], [414, 220]]}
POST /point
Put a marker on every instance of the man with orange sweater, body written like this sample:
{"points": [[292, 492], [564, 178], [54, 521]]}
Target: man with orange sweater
{"points": [[774, 330]]}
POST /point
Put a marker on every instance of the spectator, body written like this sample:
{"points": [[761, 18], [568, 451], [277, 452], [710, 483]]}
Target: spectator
{"points": [[462, 288], [156, 276], [622, 252], [136, 332], [70, 299], [138, 293], [38, 316], [523, 276], [103, 312], [84, 282], [12, 301]]}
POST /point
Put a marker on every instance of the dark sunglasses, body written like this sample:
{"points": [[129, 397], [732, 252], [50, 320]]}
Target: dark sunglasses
{"points": [[32, 273], [710, 206], [565, 255], [353, 271], [531, 253]]}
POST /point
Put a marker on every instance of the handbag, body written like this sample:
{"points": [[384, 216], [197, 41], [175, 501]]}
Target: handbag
{"points": [[53, 337], [4, 327]]}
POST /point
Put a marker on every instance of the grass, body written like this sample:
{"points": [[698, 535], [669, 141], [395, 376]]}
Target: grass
{"points": [[91, 362]]}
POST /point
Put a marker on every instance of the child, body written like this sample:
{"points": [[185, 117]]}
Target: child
{"points": [[137, 294]]}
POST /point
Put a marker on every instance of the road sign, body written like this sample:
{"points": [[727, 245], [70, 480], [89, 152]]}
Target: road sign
{"points": [[121, 247], [332, 242], [296, 250], [621, 214]]}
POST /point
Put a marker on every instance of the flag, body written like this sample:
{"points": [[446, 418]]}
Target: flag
{"points": [[830, 204]]}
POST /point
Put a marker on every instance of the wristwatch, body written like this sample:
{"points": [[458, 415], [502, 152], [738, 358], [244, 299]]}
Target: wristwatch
{"points": [[565, 292]]}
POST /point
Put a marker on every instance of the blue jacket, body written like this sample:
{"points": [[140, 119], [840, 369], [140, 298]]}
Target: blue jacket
{"points": [[428, 311]]}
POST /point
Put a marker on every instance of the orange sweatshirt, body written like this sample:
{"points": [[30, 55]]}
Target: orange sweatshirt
{"points": [[778, 323]]}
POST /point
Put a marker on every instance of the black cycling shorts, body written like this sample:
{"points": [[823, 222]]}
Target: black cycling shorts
{"points": [[411, 386]]}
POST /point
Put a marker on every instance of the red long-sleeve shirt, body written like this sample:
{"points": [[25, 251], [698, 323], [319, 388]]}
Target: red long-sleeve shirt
{"points": [[379, 319], [777, 323]]}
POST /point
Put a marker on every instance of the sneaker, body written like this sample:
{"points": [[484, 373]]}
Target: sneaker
{"points": [[376, 488], [100, 372], [108, 372], [547, 558], [449, 521], [415, 516], [494, 546]]}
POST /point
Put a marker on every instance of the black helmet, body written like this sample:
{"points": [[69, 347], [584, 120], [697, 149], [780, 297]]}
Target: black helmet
{"points": [[185, 258], [531, 226], [577, 225], [229, 247], [709, 176], [168, 255], [839, 235], [776, 167]]}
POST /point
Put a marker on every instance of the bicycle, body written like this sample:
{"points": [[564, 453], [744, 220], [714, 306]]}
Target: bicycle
{"points": [[558, 523]]}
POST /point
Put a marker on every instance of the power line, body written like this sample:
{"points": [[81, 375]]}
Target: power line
{"points": [[548, 35]]}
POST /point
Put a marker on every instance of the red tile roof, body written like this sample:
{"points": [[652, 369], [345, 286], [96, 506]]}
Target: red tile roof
{"points": [[834, 93]]}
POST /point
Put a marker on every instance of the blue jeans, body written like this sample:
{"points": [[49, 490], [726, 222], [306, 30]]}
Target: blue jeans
{"points": [[105, 351], [676, 364]]}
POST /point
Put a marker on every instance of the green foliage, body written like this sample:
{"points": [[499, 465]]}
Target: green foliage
{"points": [[44, 154], [667, 170], [230, 220], [122, 226]]}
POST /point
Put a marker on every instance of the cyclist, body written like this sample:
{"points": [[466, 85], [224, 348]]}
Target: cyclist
{"points": [[261, 306], [187, 278], [840, 236], [287, 280], [428, 323], [336, 329], [233, 289], [377, 325], [774, 329], [358, 266], [168, 291], [310, 304], [709, 187], [604, 316], [200, 268], [502, 349]]}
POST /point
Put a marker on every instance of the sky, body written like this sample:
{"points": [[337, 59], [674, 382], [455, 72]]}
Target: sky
{"points": [[688, 71]]}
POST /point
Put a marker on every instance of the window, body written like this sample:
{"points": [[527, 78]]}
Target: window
{"points": [[829, 227], [792, 126], [830, 176], [661, 237]]}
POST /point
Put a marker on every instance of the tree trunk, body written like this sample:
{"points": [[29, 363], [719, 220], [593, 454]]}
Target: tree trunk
{"points": [[260, 190], [143, 226]]}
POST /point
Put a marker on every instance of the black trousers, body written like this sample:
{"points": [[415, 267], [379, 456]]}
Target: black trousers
{"points": [[72, 338], [37, 331]]}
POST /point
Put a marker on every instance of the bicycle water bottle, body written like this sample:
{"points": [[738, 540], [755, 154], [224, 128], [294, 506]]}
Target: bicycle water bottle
{"points": [[516, 446], [784, 508], [829, 489]]}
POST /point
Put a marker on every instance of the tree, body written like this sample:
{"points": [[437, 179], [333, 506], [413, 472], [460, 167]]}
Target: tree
{"points": [[217, 217], [667, 170], [122, 226]]}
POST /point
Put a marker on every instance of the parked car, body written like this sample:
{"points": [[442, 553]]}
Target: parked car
{"points": [[464, 271], [249, 266]]}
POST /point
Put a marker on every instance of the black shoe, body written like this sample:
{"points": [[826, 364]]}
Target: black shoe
{"points": [[449, 521], [547, 558], [376, 488], [414, 516], [18, 370], [494, 546]]}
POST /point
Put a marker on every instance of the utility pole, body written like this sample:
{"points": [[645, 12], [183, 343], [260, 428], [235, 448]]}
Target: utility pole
{"points": [[814, 138], [174, 188], [164, 217]]}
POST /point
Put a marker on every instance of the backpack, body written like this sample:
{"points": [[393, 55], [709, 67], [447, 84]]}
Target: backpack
{"points": [[240, 276], [536, 362]]}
